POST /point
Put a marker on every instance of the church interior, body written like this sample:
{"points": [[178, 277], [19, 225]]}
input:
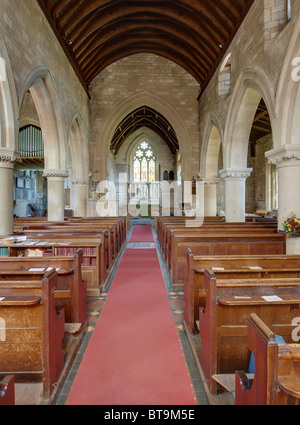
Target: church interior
{"points": [[149, 210]]}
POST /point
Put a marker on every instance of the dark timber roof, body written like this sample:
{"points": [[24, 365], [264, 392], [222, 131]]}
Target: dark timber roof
{"points": [[192, 33]]}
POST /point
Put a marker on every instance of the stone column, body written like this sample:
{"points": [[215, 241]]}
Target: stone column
{"points": [[235, 192], [79, 197], [210, 197], [56, 194], [287, 160], [7, 193]]}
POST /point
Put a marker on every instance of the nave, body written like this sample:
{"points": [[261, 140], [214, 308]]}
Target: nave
{"points": [[141, 238]]}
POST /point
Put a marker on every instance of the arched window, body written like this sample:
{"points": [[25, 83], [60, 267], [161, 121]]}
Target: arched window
{"points": [[144, 164]]}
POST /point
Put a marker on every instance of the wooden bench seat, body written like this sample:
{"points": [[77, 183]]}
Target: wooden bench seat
{"points": [[71, 290], [223, 324], [94, 268], [110, 245], [198, 225], [32, 332], [276, 379], [252, 266], [224, 229], [219, 243]]}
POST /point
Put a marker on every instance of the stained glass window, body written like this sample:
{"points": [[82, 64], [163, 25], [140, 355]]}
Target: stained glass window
{"points": [[144, 164], [137, 170], [151, 171]]}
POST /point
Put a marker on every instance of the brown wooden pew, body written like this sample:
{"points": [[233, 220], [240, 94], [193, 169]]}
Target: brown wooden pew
{"points": [[166, 225], [220, 243], [117, 225], [276, 378], [7, 391], [111, 246], [223, 325], [32, 332], [71, 290], [224, 228], [245, 266], [95, 266]]}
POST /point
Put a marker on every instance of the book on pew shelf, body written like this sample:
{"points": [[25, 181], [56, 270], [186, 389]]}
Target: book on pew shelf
{"points": [[36, 269]]}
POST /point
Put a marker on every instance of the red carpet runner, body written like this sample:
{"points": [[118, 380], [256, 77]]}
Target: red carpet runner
{"points": [[134, 357], [142, 233]]}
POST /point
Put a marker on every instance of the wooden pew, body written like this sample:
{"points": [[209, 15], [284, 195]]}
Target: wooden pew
{"points": [[116, 226], [7, 391], [277, 369], [71, 290], [190, 225], [245, 266], [87, 232], [95, 267], [220, 243], [223, 325], [32, 332], [224, 228]]}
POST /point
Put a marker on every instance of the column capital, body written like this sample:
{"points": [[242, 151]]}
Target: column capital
{"points": [[236, 174], [8, 158], [61, 174], [80, 182], [208, 180], [284, 155]]}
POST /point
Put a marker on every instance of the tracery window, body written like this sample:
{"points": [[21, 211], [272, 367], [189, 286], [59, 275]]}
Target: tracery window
{"points": [[144, 164]]}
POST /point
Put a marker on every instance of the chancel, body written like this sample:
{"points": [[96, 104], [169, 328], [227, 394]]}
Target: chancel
{"points": [[149, 203]]}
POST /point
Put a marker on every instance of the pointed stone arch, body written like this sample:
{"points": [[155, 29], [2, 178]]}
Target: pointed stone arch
{"points": [[8, 139], [209, 163], [77, 163], [131, 104], [9, 110], [252, 85], [287, 104], [41, 84], [212, 143]]}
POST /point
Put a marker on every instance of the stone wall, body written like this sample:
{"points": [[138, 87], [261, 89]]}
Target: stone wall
{"points": [[31, 44], [172, 88]]}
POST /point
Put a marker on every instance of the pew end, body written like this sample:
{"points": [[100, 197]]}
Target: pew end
{"points": [[7, 391], [277, 369]]}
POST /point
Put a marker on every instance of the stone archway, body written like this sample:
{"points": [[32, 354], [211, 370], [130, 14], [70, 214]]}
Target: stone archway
{"points": [[131, 104], [40, 83], [210, 162], [286, 152], [78, 179], [253, 85], [8, 140]]}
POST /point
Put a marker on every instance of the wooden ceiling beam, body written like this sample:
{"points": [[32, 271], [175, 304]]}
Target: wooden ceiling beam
{"points": [[86, 28], [121, 53], [190, 52]]}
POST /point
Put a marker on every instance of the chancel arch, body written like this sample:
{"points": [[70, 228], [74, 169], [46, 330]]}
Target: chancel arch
{"points": [[118, 114]]}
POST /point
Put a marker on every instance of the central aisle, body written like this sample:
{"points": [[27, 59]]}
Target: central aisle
{"points": [[134, 356]]}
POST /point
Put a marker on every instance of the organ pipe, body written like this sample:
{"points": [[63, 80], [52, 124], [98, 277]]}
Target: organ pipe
{"points": [[31, 142]]}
